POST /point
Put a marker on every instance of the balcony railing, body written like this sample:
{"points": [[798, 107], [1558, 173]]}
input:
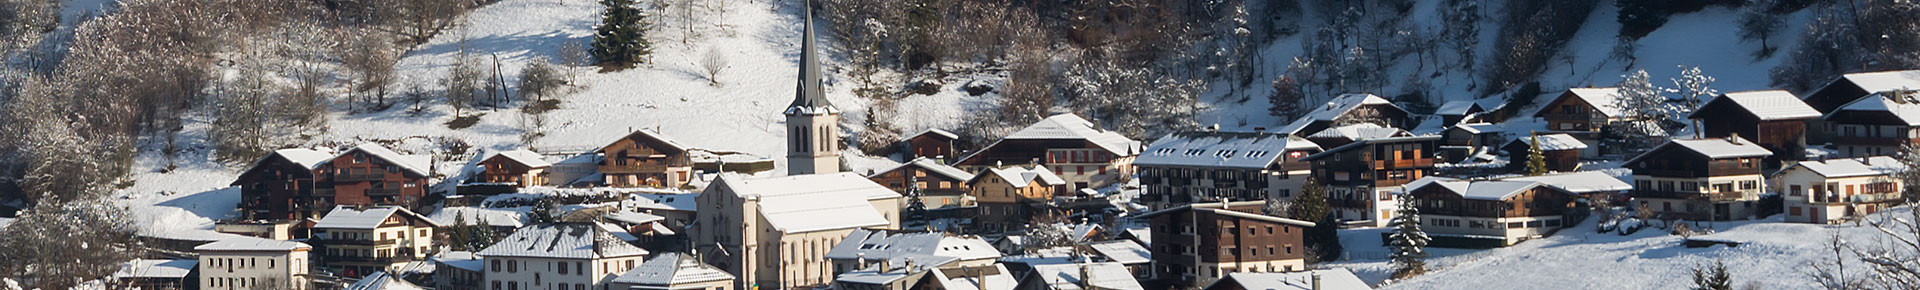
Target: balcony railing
{"points": [[383, 191], [1706, 196], [1405, 163], [359, 177], [1857, 198], [634, 168], [1872, 141], [323, 192], [355, 242], [393, 259]]}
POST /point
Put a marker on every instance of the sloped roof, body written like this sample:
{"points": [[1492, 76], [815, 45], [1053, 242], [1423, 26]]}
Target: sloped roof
{"points": [[1602, 99], [1580, 182], [1365, 142], [1330, 279], [1216, 208], [460, 259], [1481, 128], [1221, 149], [1334, 108], [1106, 275], [474, 215], [1715, 148], [523, 156], [252, 244], [310, 158], [995, 277], [1851, 167], [562, 241], [351, 217], [1021, 176], [1550, 142], [881, 245], [1122, 251], [1768, 105], [805, 203], [1072, 127], [382, 281], [411, 163], [1874, 82], [669, 144], [631, 217], [1906, 111], [938, 132], [1458, 107], [675, 202], [1360, 131], [1495, 190], [672, 269], [152, 268], [932, 166]]}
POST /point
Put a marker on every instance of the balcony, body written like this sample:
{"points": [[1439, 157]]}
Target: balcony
{"points": [[359, 177], [1349, 203], [1404, 163], [1705, 196], [1872, 141], [323, 192], [355, 242], [634, 168], [364, 259], [383, 191], [1857, 198]]}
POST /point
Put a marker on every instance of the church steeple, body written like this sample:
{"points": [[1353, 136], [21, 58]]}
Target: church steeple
{"points": [[809, 95]]}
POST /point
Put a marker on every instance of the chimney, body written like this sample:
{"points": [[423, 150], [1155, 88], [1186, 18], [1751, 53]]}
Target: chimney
{"points": [[1086, 277], [1259, 129], [860, 262], [1734, 138], [1213, 128], [1316, 280]]}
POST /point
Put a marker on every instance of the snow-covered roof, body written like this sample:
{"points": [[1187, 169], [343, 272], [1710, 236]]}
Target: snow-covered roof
{"points": [[1331, 279], [1366, 142], [564, 241], [1874, 82], [1360, 131], [938, 132], [151, 268], [1494, 190], [364, 218], [873, 276], [1906, 110], [1602, 99], [411, 163], [1714, 148], [252, 244], [1481, 128], [672, 269], [805, 203], [932, 166], [1457, 107], [629, 217], [1334, 108], [382, 281], [1122, 251], [460, 259], [310, 158], [523, 156], [1580, 182], [1768, 105], [499, 217], [881, 245], [674, 202], [1106, 275], [669, 143], [1072, 127], [1851, 167], [1217, 208], [1020, 176], [995, 277], [1221, 149], [1550, 142]]}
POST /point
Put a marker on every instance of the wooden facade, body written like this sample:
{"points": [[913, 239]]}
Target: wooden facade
{"points": [[1785, 136], [1008, 204], [1858, 133], [1571, 113], [1462, 141], [1538, 201], [642, 159], [935, 144], [503, 169], [359, 178], [278, 188], [1564, 160], [1678, 181], [939, 188], [1195, 244], [1356, 174]]}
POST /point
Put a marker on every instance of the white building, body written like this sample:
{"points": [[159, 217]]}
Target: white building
{"points": [[1829, 191], [674, 271], [362, 240], [558, 256], [865, 248], [250, 263], [775, 232]]}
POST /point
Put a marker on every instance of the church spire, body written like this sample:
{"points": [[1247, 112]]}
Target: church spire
{"points": [[809, 96]]}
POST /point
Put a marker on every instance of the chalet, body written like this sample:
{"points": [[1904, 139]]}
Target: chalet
{"points": [[1562, 152], [678, 210], [266, 229], [1774, 119], [1341, 135], [1073, 148], [940, 186], [520, 168], [1348, 109], [1464, 141], [1456, 112], [1592, 185], [1328, 279], [990, 277], [775, 232], [1009, 197], [1206, 166], [382, 281], [1878, 124], [1581, 110], [1850, 87], [458, 270], [1717, 178], [645, 159], [1079, 276], [863, 249], [250, 263], [553, 256], [1500, 213], [301, 183], [1833, 190], [674, 271], [1136, 257], [1198, 243], [1361, 176], [357, 241], [933, 143], [159, 274]]}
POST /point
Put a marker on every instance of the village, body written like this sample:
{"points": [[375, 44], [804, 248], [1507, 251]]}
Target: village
{"points": [[1059, 204]]}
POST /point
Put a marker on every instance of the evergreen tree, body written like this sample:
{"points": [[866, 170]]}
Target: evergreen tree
{"points": [[479, 236], [1407, 241], [1311, 203], [916, 208], [542, 212], [1323, 240], [1536, 159], [458, 236], [1716, 278], [621, 38]]}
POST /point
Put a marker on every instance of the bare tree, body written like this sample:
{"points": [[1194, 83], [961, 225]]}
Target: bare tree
{"points": [[573, 55], [713, 62], [1833, 275], [539, 80]]}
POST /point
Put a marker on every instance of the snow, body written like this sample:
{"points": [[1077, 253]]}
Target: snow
{"points": [[251, 244], [939, 132], [672, 269], [634, 218], [1882, 81], [310, 158], [1580, 182], [349, 217], [382, 281], [805, 203], [1361, 131], [499, 217], [1906, 111], [1221, 149], [1072, 127], [1851, 167], [1021, 177], [1723, 147], [523, 156], [1551, 142], [1458, 107], [413, 163], [1109, 275], [1122, 251], [1336, 279], [1338, 106], [151, 268], [932, 166], [1768, 105], [1494, 190], [564, 241], [1478, 128], [1602, 99], [881, 245]]}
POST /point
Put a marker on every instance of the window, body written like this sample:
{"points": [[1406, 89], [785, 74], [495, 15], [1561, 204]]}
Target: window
{"points": [[512, 267], [496, 285], [563, 268]]}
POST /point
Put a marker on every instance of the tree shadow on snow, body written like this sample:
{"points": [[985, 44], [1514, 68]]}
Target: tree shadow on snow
{"points": [[215, 204]]}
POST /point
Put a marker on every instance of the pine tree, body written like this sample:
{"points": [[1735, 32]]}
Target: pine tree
{"points": [[1536, 158], [458, 236], [621, 38], [1323, 240], [1407, 241], [542, 212], [1715, 278], [916, 208], [480, 236], [1311, 203], [1286, 98]]}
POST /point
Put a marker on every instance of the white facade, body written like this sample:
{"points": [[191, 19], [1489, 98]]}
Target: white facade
{"points": [[253, 264], [1831, 191], [525, 273], [776, 232]]}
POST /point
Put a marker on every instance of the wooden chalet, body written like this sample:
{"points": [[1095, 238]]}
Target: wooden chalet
{"points": [[1502, 212], [1342, 135], [1875, 125], [1344, 108], [933, 143], [1562, 152], [645, 159], [301, 183], [941, 186], [520, 168], [1581, 110], [1715, 178], [1828, 191], [1774, 119], [1360, 176], [1206, 166], [1075, 149], [1849, 87], [1009, 197], [1466, 140], [1456, 112], [1196, 244]]}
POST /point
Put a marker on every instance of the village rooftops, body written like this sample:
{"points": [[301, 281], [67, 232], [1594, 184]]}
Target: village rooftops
{"points": [[1360, 131], [1122, 251], [1107, 275], [995, 277], [1338, 106], [881, 245], [931, 166], [1481, 128], [1020, 176], [1459, 107], [382, 281], [1851, 167], [629, 217], [1221, 149], [687, 202], [1712, 148], [1602, 99], [1883, 81], [496, 217], [806, 203], [522, 156], [415, 164], [1072, 127], [1495, 190], [150, 268], [562, 241], [1216, 208], [1580, 181], [250, 244], [939, 132], [1551, 142], [667, 144], [310, 158], [1331, 279], [1904, 107], [364, 218], [672, 269], [460, 259], [1767, 105], [1363, 143]]}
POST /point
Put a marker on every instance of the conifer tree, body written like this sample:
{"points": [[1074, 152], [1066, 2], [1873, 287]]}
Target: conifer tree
{"points": [[621, 38], [479, 236], [1715, 278], [1407, 241], [1323, 241], [542, 212], [1536, 158], [1311, 203], [458, 236], [916, 208]]}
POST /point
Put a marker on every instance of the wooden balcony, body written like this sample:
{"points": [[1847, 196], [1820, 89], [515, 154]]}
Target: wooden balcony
{"points": [[383, 191], [359, 177], [1722, 196], [323, 192], [1873, 141], [634, 168], [1407, 163], [355, 242]]}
